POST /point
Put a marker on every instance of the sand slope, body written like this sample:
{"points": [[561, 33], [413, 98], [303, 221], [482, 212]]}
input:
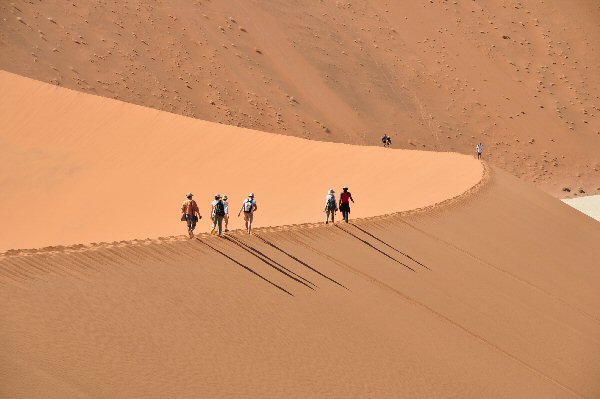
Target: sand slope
{"points": [[77, 168], [502, 303], [440, 75]]}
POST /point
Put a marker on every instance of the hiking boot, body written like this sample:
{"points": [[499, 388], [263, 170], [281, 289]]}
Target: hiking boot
{"points": [[191, 233]]}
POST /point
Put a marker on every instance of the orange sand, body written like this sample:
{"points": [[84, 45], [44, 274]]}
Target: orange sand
{"points": [[77, 168], [437, 75], [505, 305]]}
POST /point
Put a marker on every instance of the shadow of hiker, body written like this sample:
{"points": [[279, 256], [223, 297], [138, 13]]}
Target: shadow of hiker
{"points": [[388, 245], [298, 260], [375, 248], [270, 262], [245, 267]]}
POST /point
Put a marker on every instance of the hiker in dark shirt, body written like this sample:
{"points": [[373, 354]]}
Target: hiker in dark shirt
{"points": [[218, 213]]}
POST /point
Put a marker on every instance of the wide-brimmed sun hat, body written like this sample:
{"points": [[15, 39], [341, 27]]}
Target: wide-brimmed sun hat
{"points": [[345, 188], [217, 196], [225, 197], [189, 195], [251, 195], [331, 191]]}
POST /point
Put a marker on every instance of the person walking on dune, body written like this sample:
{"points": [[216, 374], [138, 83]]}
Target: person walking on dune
{"points": [[384, 140], [226, 218], [345, 198], [479, 150], [218, 213], [190, 213], [248, 207], [330, 206]]}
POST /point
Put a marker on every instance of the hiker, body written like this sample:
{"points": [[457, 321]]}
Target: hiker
{"points": [[479, 149], [226, 218], [218, 213], [384, 140], [345, 198], [248, 207], [330, 206], [190, 214], [389, 141]]}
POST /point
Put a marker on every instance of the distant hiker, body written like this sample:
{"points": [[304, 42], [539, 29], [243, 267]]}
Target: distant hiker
{"points": [[479, 149], [226, 218], [218, 213], [330, 206], [190, 214], [345, 198], [384, 140], [248, 207]]}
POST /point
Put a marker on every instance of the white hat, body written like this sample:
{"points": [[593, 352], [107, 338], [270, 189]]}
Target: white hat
{"points": [[189, 194], [217, 195], [345, 188], [251, 195]]}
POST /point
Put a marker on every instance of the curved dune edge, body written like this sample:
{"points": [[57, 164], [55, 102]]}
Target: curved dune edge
{"points": [[100, 170], [478, 284], [486, 178]]}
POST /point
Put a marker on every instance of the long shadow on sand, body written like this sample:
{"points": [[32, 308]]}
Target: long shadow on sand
{"points": [[245, 267], [298, 260], [389, 246], [375, 248], [270, 262]]}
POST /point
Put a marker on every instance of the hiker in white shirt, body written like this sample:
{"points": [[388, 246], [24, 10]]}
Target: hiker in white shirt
{"points": [[248, 207], [479, 149], [330, 206]]}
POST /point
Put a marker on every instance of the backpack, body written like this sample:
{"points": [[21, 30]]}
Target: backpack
{"points": [[248, 205], [330, 203], [220, 209]]}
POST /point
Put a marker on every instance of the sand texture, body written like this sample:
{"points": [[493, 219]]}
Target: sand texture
{"points": [[89, 169], [491, 295], [521, 77]]}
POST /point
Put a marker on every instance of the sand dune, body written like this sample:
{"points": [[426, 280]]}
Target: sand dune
{"points": [[78, 168], [521, 77], [454, 279], [491, 295]]}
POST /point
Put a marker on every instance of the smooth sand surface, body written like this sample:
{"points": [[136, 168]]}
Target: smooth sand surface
{"points": [[521, 77], [590, 205], [493, 295], [77, 168]]}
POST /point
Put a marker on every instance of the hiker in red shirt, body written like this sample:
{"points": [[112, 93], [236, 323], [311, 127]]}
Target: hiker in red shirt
{"points": [[345, 198]]}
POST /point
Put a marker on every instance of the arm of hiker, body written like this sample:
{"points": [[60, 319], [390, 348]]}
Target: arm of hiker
{"points": [[255, 207], [351, 199]]}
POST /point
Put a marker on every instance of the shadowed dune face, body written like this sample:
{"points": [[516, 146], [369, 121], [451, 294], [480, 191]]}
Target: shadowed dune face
{"points": [[494, 295], [523, 77], [88, 169]]}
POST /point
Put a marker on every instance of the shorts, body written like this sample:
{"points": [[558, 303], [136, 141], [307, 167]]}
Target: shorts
{"points": [[248, 216]]}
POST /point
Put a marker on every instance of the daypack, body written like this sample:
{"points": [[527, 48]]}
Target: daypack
{"points": [[248, 205], [330, 202], [220, 209]]}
